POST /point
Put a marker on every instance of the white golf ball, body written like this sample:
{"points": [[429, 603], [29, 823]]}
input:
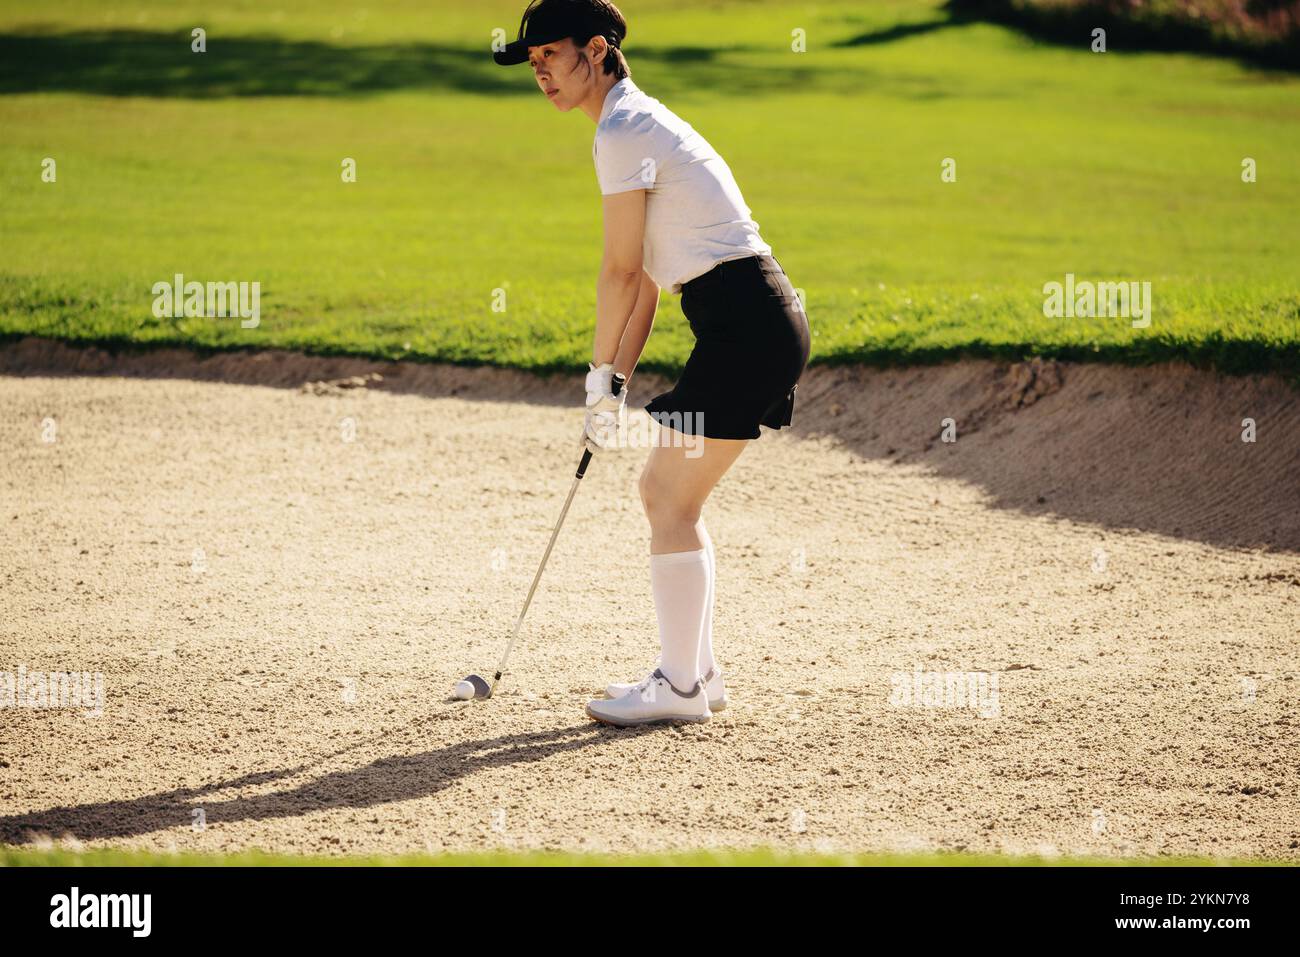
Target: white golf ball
{"points": [[463, 690]]}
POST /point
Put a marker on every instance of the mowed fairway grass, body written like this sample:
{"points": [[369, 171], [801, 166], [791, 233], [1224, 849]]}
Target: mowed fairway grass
{"points": [[58, 857], [225, 166]]}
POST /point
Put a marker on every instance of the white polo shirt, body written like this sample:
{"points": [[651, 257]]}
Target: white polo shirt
{"points": [[695, 216]]}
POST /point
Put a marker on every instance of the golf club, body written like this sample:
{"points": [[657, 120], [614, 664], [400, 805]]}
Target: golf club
{"points": [[475, 686]]}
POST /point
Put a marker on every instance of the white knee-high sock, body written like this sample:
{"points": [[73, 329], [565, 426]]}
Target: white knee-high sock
{"points": [[706, 659], [680, 581]]}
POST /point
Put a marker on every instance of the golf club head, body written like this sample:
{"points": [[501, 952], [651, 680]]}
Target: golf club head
{"points": [[481, 689]]}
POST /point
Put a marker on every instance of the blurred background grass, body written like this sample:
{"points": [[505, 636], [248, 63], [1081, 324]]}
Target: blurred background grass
{"points": [[225, 166]]}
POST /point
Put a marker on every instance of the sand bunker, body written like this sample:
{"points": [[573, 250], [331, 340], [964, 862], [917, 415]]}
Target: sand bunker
{"points": [[278, 564]]}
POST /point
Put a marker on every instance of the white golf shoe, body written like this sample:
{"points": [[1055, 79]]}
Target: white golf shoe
{"points": [[713, 687], [653, 700]]}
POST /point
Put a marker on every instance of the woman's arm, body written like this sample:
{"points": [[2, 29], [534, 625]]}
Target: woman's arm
{"points": [[619, 285], [638, 328]]}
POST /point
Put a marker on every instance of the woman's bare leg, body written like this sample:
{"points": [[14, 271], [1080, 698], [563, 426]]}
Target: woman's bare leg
{"points": [[675, 483]]}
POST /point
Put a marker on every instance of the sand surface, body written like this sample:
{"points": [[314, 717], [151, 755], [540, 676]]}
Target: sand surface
{"points": [[279, 571]]}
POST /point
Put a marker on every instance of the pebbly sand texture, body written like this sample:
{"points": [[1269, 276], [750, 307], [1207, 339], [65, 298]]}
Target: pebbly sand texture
{"points": [[278, 613]]}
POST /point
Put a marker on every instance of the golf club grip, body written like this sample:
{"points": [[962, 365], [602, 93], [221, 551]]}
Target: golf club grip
{"points": [[615, 386]]}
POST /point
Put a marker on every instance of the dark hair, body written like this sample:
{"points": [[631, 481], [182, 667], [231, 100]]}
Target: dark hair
{"points": [[591, 18]]}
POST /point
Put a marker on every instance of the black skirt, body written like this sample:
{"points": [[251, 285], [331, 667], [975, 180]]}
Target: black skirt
{"points": [[751, 347]]}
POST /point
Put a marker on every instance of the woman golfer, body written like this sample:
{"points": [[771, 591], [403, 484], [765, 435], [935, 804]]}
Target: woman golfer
{"points": [[674, 218]]}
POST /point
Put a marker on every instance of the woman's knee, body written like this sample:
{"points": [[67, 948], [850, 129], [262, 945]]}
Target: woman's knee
{"points": [[663, 503]]}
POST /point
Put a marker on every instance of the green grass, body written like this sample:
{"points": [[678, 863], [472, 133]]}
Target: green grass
{"points": [[26, 857], [225, 166]]}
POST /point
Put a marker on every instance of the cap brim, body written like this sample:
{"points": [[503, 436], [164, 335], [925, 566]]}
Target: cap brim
{"points": [[517, 51]]}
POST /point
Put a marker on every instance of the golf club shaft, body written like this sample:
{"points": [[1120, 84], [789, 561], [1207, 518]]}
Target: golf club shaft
{"points": [[586, 457], [616, 387]]}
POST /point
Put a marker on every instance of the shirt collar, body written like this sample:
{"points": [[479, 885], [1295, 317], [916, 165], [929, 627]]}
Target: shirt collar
{"points": [[616, 92]]}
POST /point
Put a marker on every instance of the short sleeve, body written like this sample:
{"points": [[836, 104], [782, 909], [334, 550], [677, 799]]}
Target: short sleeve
{"points": [[626, 153]]}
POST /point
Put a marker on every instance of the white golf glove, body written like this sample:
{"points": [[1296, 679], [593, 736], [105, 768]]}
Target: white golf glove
{"points": [[605, 411]]}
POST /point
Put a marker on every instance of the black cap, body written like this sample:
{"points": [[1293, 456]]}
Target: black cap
{"points": [[546, 21]]}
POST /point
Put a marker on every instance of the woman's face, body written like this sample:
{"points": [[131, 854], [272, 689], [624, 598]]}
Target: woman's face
{"points": [[564, 72]]}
